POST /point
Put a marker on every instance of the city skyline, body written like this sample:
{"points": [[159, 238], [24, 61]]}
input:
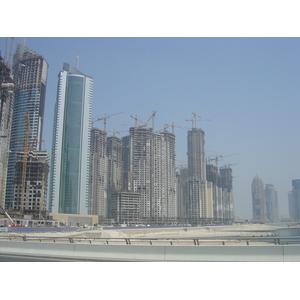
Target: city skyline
{"points": [[247, 87]]}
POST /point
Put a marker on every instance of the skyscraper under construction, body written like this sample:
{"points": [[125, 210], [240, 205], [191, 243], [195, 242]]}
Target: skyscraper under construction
{"points": [[6, 111], [98, 174], [149, 169], [30, 78], [198, 208]]}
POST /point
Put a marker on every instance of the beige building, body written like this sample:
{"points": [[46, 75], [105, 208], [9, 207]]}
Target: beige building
{"points": [[75, 220]]}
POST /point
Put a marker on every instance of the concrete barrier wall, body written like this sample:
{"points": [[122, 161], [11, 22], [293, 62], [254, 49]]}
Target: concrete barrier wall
{"points": [[92, 252]]}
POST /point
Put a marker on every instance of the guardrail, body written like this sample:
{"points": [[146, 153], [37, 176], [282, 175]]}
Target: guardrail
{"points": [[198, 241]]}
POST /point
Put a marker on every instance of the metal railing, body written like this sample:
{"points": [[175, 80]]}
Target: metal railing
{"points": [[197, 241]]}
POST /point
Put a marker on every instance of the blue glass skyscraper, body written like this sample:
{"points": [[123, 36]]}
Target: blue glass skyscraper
{"points": [[69, 177]]}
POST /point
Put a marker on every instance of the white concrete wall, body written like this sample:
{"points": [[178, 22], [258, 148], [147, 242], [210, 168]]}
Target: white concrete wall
{"points": [[260, 253]]}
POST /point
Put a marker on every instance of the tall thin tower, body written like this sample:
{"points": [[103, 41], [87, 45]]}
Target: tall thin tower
{"points": [[69, 179], [30, 76], [258, 200]]}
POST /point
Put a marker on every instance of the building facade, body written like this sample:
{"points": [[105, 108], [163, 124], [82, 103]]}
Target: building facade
{"points": [[30, 77], [6, 111], [69, 178], [258, 200]]}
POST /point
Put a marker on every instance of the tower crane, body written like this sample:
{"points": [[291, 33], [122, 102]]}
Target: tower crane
{"points": [[145, 123], [194, 120], [152, 117], [105, 119], [168, 125], [216, 158], [137, 120], [114, 132], [25, 158]]}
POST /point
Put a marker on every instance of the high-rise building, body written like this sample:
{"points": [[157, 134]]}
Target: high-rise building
{"points": [[294, 200], [271, 198], [6, 111], [149, 169], [69, 178], [30, 78], [164, 204], [98, 174], [138, 167], [258, 200], [195, 191]]}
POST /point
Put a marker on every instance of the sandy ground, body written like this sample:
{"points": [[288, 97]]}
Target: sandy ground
{"points": [[168, 232], [183, 235]]}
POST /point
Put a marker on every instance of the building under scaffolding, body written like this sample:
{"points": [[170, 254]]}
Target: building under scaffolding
{"points": [[30, 195], [125, 208]]}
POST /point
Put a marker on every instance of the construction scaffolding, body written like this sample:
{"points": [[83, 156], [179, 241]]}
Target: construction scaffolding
{"points": [[31, 189]]}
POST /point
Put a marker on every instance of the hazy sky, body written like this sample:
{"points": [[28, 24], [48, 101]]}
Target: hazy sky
{"points": [[247, 87]]}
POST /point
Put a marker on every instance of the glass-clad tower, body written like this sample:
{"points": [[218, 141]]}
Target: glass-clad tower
{"points": [[69, 178], [30, 76]]}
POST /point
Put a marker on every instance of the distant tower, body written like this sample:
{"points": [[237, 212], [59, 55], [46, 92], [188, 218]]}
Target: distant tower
{"points": [[258, 200], [30, 76], [227, 193], [294, 200], [69, 178], [6, 111], [271, 198], [114, 152]]}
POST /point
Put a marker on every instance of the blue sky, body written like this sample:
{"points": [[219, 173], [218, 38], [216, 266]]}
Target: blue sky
{"points": [[247, 87]]}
